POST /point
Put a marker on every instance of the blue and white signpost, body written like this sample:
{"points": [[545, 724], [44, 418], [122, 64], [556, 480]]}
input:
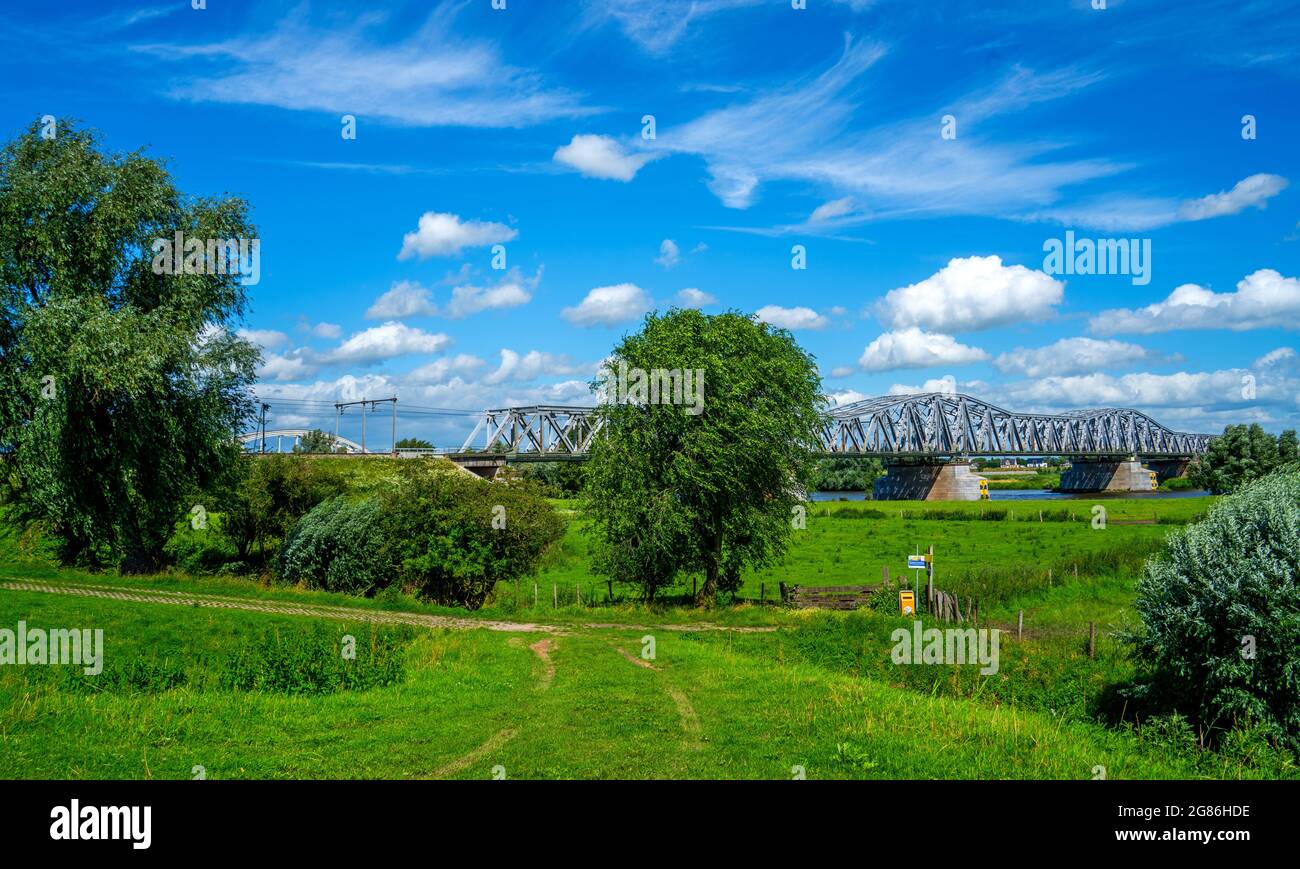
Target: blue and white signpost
{"points": [[918, 563]]}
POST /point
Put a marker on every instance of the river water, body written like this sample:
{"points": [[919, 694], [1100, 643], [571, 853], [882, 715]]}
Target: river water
{"points": [[1032, 495]]}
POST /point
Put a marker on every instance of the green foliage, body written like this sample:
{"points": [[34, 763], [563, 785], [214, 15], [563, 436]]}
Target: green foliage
{"points": [[311, 661], [199, 551], [847, 475], [431, 530], [1222, 582], [133, 676], [557, 479], [120, 388], [271, 494], [315, 441], [455, 537], [670, 490], [340, 545], [1288, 449], [1241, 454], [414, 444]]}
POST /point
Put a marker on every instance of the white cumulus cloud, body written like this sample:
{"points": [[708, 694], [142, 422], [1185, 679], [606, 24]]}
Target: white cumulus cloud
{"points": [[1070, 356], [513, 291], [609, 306], [440, 234], [972, 293], [404, 299], [692, 297], [601, 157], [386, 342], [792, 318], [1264, 299], [914, 348], [669, 253]]}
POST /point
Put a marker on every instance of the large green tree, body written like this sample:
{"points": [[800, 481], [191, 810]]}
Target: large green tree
{"points": [[1288, 447], [315, 441], [1238, 456], [710, 484], [120, 386]]}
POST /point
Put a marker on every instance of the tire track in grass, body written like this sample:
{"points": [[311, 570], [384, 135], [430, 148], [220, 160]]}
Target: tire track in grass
{"points": [[542, 649], [325, 611], [690, 721], [355, 614]]}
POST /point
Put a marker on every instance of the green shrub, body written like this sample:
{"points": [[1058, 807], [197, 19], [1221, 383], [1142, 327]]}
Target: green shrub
{"points": [[1233, 577], [455, 537], [340, 546], [271, 494], [134, 676], [311, 661], [199, 551]]}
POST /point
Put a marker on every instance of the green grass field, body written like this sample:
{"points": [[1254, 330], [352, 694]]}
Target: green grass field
{"points": [[816, 692]]}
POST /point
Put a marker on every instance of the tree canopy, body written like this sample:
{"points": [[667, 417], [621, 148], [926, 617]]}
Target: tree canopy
{"points": [[315, 441], [709, 485], [121, 385], [1240, 455]]}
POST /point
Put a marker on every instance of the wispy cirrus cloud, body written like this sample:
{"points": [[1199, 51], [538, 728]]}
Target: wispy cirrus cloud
{"points": [[430, 77], [1138, 213], [810, 130], [657, 26]]}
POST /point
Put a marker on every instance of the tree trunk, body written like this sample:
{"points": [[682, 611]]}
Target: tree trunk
{"points": [[708, 593]]}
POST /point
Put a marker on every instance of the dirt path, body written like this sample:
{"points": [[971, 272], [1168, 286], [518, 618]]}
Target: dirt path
{"points": [[690, 722], [387, 617], [542, 649], [141, 595], [459, 764]]}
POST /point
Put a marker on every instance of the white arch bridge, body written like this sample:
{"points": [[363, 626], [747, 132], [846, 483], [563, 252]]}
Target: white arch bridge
{"points": [[294, 436]]}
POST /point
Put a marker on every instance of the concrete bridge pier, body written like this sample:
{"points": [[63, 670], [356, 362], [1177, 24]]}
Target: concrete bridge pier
{"points": [[484, 465], [1108, 475], [1168, 469], [934, 481]]}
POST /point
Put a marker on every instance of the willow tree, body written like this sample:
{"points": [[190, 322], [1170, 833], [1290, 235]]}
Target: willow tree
{"points": [[710, 426], [121, 378]]}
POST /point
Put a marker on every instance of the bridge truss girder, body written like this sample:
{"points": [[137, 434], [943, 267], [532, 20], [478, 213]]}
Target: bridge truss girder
{"points": [[930, 424]]}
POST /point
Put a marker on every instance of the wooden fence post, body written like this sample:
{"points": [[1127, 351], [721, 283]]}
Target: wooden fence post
{"points": [[534, 595], [555, 596], [1020, 627], [1092, 639]]}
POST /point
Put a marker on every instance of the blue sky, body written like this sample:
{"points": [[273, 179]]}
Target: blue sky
{"points": [[829, 127]]}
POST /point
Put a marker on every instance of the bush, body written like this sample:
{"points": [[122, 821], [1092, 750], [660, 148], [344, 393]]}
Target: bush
{"points": [[455, 537], [199, 551], [311, 661], [272, 493], [339, 546], [1232, 577]]}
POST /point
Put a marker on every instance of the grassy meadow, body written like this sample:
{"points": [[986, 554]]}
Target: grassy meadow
{"points": [[741, 691]]}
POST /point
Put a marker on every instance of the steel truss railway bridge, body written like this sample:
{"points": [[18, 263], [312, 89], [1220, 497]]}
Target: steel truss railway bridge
{"points": [[925, 439]]}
